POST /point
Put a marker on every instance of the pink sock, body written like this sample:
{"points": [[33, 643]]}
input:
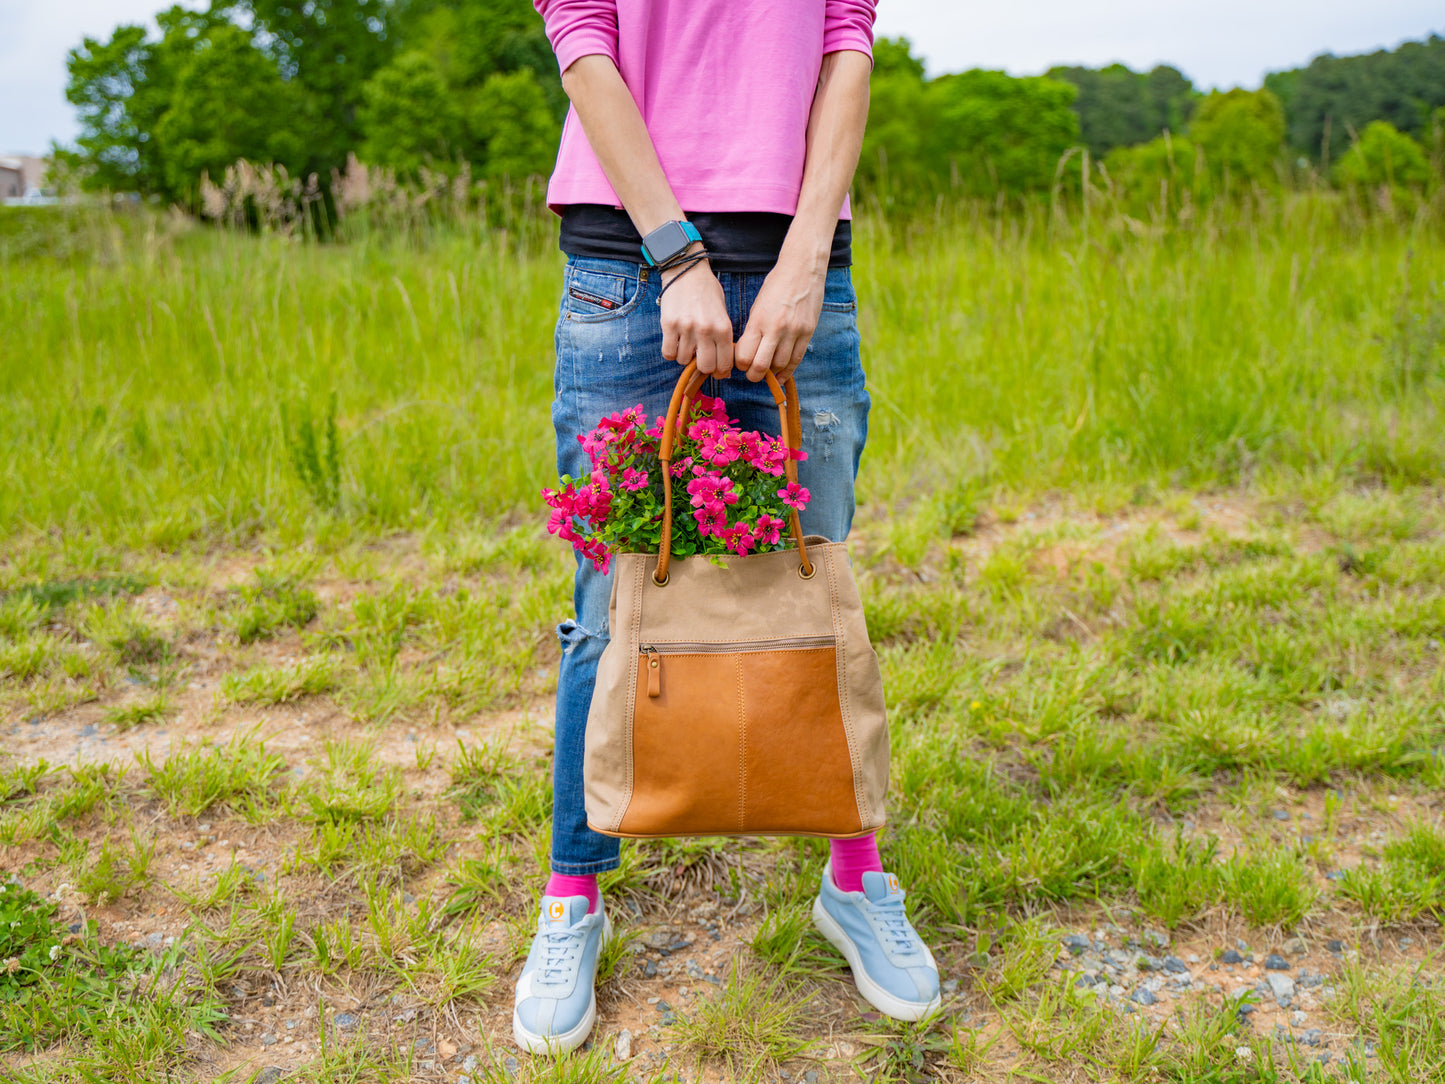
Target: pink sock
{"points": [[563, 885], [851, 858]]}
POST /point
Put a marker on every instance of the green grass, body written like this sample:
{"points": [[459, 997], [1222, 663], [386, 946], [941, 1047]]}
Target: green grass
{"points": [[1151, 543], [1094, 354]]}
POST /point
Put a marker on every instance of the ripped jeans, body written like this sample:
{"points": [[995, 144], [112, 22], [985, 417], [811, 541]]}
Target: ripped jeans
{"points": [[609, 357]]}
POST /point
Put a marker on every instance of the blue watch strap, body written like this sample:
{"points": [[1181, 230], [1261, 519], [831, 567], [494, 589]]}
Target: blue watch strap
{"points": [[675, 236]]}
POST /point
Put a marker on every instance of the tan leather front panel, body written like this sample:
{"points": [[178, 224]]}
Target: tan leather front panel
{"points": [[800, 776], [687, 749], [746, 743]]}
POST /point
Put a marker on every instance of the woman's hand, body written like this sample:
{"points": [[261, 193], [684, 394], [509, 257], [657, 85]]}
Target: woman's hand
{"points": [[695, 321], [782, 321]]}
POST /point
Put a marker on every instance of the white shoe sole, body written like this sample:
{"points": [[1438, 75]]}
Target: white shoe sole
{"points": [[875, 995], [568, 1041]]}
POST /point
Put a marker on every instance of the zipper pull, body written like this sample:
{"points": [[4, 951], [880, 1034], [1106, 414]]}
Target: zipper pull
{"points": [[654, 671]]}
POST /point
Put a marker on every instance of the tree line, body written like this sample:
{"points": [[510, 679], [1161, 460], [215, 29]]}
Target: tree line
{"points": [[407, 84]]}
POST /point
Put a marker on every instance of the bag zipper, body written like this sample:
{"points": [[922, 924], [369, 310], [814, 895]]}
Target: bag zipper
{"points": [[654, 652]]}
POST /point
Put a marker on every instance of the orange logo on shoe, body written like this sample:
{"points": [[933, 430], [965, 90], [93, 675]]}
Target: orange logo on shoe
{"points": [[554, 910], [893, 883]]}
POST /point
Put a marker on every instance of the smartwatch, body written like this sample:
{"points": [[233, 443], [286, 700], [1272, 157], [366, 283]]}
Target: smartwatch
{"points": [[668, 241]]}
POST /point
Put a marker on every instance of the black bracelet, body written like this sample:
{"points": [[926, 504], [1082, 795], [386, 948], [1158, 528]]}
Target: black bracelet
{"points": [[682, 257], [686, 265]]}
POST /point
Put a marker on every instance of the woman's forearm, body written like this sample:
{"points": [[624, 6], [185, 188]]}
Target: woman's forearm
{"points": [[835, 139], [619, 138]]}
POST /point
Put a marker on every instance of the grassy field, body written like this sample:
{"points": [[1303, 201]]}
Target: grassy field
{"points": [[1152, 546]]}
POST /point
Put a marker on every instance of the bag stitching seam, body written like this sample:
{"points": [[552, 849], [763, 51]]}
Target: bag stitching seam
{"points": [[845, 701]]}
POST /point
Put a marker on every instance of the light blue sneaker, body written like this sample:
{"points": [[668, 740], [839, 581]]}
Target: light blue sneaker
{"points": [[556, 1002], [892, 967]]}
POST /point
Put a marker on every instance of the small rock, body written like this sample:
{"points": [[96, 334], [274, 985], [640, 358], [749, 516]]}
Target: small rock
{"points": [[1239, 992], [811, 1076], [89, 731], [1312, 1037], [269, 1075], [470, 1063], [1275, 962], [950, 986], [1154, 939], [1143, 996], [662, 1006], [1175, 966], [624, 1045], [512, 1067], [1246, 1009], [1336, 947], [1280, 815], [1231, 957], [268, 1039], [669, 1017], [1077, 943], [1282, 987], [345, 1021], [1295, 946], [1335, 875], [1297, 1019]]}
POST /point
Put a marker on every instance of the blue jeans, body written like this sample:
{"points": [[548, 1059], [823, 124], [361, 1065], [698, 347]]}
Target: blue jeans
{"points": [[609, 357]]}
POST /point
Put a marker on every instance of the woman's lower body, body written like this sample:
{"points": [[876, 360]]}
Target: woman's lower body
{"points": [[609, 358]]}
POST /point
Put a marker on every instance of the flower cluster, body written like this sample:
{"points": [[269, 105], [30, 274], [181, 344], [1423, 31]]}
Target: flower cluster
{"points": [[729, 493]]}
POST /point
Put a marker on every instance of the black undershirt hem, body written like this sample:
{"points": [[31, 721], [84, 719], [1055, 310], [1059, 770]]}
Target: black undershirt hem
{"points": [[740, 241]]}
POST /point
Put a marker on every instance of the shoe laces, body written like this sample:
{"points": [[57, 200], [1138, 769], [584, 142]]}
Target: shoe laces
{"points": [[561, 953], [893, 926]]}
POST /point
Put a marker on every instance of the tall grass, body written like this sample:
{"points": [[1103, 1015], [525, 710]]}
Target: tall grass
{"points": [[163, 382]]}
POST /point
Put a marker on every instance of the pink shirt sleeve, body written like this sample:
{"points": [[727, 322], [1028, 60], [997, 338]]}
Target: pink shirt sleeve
{"points": [[578, 28], [848, 24]]}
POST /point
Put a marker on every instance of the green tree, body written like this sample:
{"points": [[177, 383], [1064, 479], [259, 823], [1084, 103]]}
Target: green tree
{"points": [[409, 116], [1384, 156], [121, 89], [1157, 175], [1118, 107], [472, 40], [1333, 96], [894, 56], [997, 133], [330, 48], [897, 160], [1242, 133], [230, 102], [513, 123]]}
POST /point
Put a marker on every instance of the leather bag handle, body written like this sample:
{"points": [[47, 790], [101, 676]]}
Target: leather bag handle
{"points": [[785, 395]]}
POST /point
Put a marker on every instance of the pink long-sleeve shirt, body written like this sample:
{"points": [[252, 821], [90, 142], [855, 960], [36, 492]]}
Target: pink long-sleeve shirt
{"points": [[724, 87]]}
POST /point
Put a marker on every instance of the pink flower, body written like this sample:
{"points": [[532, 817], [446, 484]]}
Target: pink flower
{"points": [[795, 496], [739, 539], [711, 491], [633, 480], [769, 529]]}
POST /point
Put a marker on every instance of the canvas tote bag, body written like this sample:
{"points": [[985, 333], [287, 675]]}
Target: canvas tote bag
{"points": [[737, 700]]}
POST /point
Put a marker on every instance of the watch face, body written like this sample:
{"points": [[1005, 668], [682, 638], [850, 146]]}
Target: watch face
{"points": [[667, 241]]}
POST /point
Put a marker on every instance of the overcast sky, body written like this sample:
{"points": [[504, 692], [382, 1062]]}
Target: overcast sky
{"points": [[1219, 43]]}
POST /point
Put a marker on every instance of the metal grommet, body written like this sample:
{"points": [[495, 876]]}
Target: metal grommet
{"points": [[662, 582], [807, 573]]}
